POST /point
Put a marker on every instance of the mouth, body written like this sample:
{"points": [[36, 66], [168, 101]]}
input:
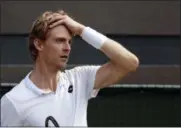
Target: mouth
{"points": [[64, 57]]}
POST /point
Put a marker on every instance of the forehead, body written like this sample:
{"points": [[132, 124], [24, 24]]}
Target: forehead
{"points": [[59, 31]]}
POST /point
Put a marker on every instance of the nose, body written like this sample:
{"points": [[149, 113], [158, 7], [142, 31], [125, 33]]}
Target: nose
{"points": [[67, 48]]}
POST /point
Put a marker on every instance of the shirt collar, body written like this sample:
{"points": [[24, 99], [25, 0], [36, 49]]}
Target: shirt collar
{"points": [[34, 88]]}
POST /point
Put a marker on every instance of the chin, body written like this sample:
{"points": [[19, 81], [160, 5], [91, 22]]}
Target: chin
{"points": [[62, 66]]}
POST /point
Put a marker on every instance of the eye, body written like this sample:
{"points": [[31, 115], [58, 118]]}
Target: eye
{"points": [[60, 40], [70, 42]]}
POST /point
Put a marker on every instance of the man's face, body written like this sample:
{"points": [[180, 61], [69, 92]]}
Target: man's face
{"points": [[56, 48]]}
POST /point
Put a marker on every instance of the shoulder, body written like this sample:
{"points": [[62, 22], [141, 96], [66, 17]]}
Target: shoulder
{"points": [[6, 103], [19, 93], [8, 100], [82, 69], [15, 91], [9, 113], [81, 74]]}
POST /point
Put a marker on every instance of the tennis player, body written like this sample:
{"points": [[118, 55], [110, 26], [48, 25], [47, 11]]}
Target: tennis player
{"points": [[51, 92]]}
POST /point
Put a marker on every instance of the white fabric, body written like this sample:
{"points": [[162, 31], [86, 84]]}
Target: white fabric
{"points": [[93, 37], [26, 105]]}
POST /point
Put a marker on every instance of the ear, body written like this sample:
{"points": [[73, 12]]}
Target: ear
{"points": [[38, 44]]}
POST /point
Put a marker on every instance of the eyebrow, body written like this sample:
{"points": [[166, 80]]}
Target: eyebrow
{"points": [[63, 38]]}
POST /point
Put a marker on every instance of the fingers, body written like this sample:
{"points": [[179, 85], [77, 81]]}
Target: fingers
{"points": [[54, 24], [62, 12], [55, 17]]}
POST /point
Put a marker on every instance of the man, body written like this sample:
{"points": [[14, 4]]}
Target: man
{"points": [[47, 91]]}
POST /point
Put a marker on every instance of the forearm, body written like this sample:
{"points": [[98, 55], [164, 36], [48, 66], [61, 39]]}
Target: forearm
{"points": [[119, 55]]}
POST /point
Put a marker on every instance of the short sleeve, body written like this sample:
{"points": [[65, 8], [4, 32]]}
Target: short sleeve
{"points": [[9, 115], [86, 77]]}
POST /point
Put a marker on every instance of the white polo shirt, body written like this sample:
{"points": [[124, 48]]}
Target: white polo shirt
{"points": [[27, 105]]}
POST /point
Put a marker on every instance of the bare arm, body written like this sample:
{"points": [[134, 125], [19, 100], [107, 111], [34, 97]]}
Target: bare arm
{"points": [[121, 63]]}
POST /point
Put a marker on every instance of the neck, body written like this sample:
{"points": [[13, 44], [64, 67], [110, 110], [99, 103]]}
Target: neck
{"points": [[45, 77]]}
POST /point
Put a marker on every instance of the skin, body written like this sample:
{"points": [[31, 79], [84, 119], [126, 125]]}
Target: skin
{"points": [[49, 61], [47, 66]]}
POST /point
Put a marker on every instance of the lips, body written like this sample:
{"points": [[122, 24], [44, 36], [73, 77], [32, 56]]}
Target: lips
{"points": [[64, 57]]}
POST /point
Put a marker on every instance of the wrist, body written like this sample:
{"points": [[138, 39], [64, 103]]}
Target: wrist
{"points": [[80, 29], [93, 37]]}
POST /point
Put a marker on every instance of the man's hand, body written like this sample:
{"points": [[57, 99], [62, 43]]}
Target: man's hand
{"points": [[121, 61], [61, 18]]}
